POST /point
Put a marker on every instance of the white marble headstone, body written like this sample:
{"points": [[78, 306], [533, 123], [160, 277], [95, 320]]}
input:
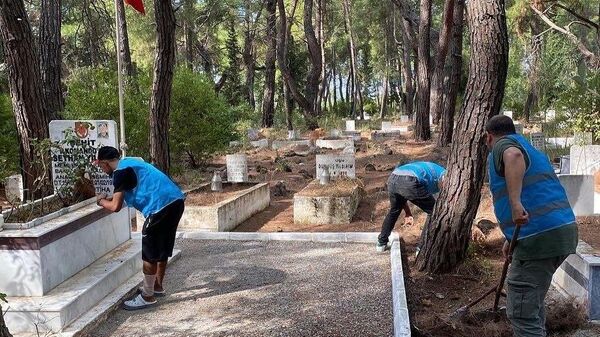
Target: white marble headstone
{"points": [[538, 141], [585, 159], [550, 115], [96, 133], [386, 126], [339, 165], [351, 125], [508, 113], [13, 187], [237, 168], [518, 128], [404, 119]]}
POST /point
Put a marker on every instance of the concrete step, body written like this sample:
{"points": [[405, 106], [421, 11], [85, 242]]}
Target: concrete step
{"points": [[78, 294]]}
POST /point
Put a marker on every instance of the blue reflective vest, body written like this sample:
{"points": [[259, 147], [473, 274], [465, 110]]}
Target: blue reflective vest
{"points": [[154, 190], [542, 195], [427, 173]]}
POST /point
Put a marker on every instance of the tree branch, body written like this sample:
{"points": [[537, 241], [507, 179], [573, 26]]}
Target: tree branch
{"points": [[580, 17]]}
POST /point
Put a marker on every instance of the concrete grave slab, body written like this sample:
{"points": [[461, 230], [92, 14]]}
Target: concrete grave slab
{"points": [[278, 144], [334, 144], [380, 135], [318, 204], [580, 191]]}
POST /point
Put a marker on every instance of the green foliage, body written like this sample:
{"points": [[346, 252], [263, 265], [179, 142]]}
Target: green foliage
{"points": [[3, 299], [232, 90], [93, 94], [581, 100], [9, 142], [201, 122]]}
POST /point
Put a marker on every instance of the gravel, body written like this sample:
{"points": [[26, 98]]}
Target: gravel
{"points": [[233, 288]]}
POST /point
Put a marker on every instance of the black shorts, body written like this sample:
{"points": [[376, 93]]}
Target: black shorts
{"points": [[158, 233]]}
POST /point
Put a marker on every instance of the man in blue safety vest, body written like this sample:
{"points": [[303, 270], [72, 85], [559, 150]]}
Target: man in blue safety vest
{"points": [[150, 191], [527, 192], [416, 182]]}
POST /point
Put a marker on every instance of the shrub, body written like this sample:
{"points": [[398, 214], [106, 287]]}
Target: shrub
{"points": [[9, 141]]}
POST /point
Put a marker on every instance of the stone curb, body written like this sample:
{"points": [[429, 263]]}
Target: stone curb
{"points": [[399, 303], [357, 237]]}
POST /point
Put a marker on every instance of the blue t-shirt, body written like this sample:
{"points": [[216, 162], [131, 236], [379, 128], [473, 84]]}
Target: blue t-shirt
{"points": [[426, 172]]}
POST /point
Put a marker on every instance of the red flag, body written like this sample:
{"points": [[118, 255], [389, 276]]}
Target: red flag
{"points": [[138, 5]]}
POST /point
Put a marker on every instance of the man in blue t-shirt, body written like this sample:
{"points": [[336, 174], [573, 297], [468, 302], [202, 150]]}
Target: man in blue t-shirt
{"points": [[416, 182]]}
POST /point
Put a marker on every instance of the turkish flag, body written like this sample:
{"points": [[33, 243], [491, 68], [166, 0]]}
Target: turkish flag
{"points": [[138, 5]]}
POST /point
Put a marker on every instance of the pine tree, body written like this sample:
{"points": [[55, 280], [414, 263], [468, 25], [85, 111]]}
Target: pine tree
{"points": [[233, 87]]}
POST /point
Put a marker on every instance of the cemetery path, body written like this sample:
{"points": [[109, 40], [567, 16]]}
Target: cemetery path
{"points": [[229, 288]]}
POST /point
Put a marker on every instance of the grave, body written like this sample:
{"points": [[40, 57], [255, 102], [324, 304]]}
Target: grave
{"points": [[381, 135], [334, 203], [578, 278], [559, 142], [221, 211], [253, 134], [237, 168], [278, 144], [386, 126], [261, 143], [13, 187], [519, 128], [538, 141], [351, 125], [354, 135], [508, 113], [580, 191], [339, 166], [585, 159], [335, 144], [404, 119]]}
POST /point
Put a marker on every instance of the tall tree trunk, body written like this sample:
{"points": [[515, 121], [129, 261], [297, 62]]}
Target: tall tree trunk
{"points": [[320, 17], [437, 81], [404, 64], [3, 329], [422, 131], [25, 86], [93, 38], [356, 89], [249, 58], [341, 87], [189, 34], [288, 102], [449, 232], [535, 56], [124, 40], [161, 86], [50, 57], [305, 102], [334, 74], [268, 102], [447, 121]]}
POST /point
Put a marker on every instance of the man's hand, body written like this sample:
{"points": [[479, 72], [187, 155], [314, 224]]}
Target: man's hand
{"points": [[100, 197], [520, 216], [408, 221]]}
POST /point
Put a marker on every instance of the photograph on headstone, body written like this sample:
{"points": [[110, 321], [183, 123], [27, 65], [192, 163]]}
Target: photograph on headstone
{"points": [[90, 135], [237, 168], [339, 166]]}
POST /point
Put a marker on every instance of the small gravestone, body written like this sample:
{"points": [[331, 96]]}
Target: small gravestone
{"points": [[550, 115], [91, 135], [351, 125], [13, 187], [538, 141], [508, 113], [292, 135], [404, 119], [565, 165], [237, 168], [386, 126], [335, 133], [253, 134], [583, 138], [518, 128], [339, 166]]}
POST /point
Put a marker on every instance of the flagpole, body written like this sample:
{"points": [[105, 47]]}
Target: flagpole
{"points": [[123, 144]]}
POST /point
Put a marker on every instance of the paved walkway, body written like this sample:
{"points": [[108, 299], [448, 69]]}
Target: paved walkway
{"points": [[232, 288]]}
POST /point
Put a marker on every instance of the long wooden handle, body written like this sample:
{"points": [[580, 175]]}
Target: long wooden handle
{"points": [[513, 243]]}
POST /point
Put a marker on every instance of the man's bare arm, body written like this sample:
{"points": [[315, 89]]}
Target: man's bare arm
{"points": [[114, 204], [514, 171]]}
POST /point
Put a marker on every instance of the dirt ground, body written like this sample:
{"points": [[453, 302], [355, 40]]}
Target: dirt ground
{"points": [[205, 197], [431, 297]]}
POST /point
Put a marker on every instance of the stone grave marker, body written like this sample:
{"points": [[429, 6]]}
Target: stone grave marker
{"points": [[343, 165], [583, 138], [13, 187], [508, 113], [351, 125], [519, 128], [585, 159], [237, 168], [538, 141], [253, 134], [95, 133], [404, 119], [550, 116], [386, 126]]}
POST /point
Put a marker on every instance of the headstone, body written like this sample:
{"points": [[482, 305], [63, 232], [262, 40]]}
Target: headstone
{"points": [[583, 138], [519, 128], [95, 133], [351, 125], [253, 134], [386, 126], [585, 159], [237, 168], [339, 165], [565, 165], [508, 113], [292, 135], [334, 133], [550, 115], [538, 141], [404, 119], [13, 187]]}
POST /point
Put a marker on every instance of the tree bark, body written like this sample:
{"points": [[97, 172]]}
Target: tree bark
{"points": [[334, 74], [533, 73], [449, 232], [125, 52], [406, 72], [447, 120], [314, 54], [437, 81], [422, 131], [25, 85], [160, 104], [249, 56], [50, 57], [3, 329], [320, 17], [189, 34], [268, 102], [356, 92]]}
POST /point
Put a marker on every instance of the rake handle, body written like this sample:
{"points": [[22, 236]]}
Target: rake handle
{"points": [[513, 243]]}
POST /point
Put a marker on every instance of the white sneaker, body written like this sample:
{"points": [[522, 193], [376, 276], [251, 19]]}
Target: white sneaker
{"points": [[381, 248], [137, 303]]}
